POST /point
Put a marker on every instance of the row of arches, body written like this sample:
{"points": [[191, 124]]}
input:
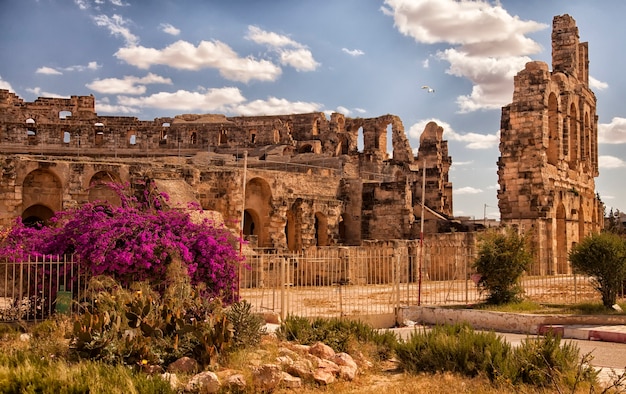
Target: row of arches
{"points": [[570, 137], [259, 217], [42, 194]]}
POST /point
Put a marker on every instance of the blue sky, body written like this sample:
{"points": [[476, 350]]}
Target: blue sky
{"points": [[363, 58]]}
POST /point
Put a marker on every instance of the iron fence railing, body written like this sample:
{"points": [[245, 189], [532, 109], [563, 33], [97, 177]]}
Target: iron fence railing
{"points": [[36, 288]]}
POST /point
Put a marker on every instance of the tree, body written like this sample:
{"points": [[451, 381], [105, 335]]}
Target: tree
{"points": [[603, 257], [502, 259], [134, 242]]}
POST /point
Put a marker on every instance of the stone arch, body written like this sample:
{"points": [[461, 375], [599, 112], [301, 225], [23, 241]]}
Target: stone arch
{"points": [[293, 227], [553, 130], [573, 135], [306, 148], [42, 187], [251, 223], [223, 140], [258, 204], [37, 215], [131, 137], [321, 229], [581, 221], [99, 190], [65, 114], [193, 139]]}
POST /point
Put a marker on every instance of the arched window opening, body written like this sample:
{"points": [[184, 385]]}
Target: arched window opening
{"points": [[252, 134], [132, 139], [194, 138], [360, 140], [388, 142], [223, 137], [65, 114], [307, 148], [321, 229], [37, 216], [574, 137], [67, 137], [553, 132]]}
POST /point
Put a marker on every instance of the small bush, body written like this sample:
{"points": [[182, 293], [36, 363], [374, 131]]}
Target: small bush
{"points": [[341, 335], [603, 257], [454, 348], [502, 259], [545, 361], [247, 326], [542, 361]]}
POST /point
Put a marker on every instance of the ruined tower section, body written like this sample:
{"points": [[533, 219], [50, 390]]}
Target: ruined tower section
{"points": [[549, 152]]}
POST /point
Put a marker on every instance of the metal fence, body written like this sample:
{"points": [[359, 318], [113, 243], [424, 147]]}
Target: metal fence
{"points": [[357, 282], [322, 282], [38, 287]]}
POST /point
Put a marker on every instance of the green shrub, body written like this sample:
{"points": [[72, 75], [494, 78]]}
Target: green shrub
{"points": [[138, 326], [545, 361], [502, 259], [455, 348], [603, 257], [22, 372], [541, 361], [247, 326], [341, 335]]}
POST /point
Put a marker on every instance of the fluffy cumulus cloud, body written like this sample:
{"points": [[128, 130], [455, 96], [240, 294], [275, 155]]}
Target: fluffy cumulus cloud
{"points": [[208, 54], [290, 52], [612, 133], [471, 140], [608, 162], [275, 106], [127, 85], [37, 91], [489, 46], [182, 100], [5, 85]]}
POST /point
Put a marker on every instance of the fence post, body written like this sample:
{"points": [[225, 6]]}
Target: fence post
{"points": [[283, 283]]}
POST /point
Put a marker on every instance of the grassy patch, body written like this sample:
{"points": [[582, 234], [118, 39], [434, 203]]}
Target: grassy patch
{"points": [[526, 306]]}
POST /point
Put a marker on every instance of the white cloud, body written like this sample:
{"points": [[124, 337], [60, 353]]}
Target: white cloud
{"points": [[291, 52], [300, 59], [360, 110], [490, 45], [48, 71], [596, 84], [462, 163], [478, 26], [467, 190], [472, 140], [169, 29], [102, 107], [426, 63], [269, 38], [343, 110], [82, 4], [118, 3], [208, 54], [117, 26], [182, 100], [612, 133], [127, 85], [608, 162], [39, 93], [353, 52], [80, 68], [5, 85], [492, 78], [275, 106]]}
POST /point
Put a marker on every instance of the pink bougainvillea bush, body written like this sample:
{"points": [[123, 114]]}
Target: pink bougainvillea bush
{"points": [[133, 242]]}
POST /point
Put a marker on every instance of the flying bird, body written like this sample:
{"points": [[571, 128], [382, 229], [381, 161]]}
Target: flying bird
{"points": [[428, 89]]}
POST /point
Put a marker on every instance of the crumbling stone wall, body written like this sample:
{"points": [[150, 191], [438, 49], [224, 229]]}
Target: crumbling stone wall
{"points": [[287, 181], [549, 152]]}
